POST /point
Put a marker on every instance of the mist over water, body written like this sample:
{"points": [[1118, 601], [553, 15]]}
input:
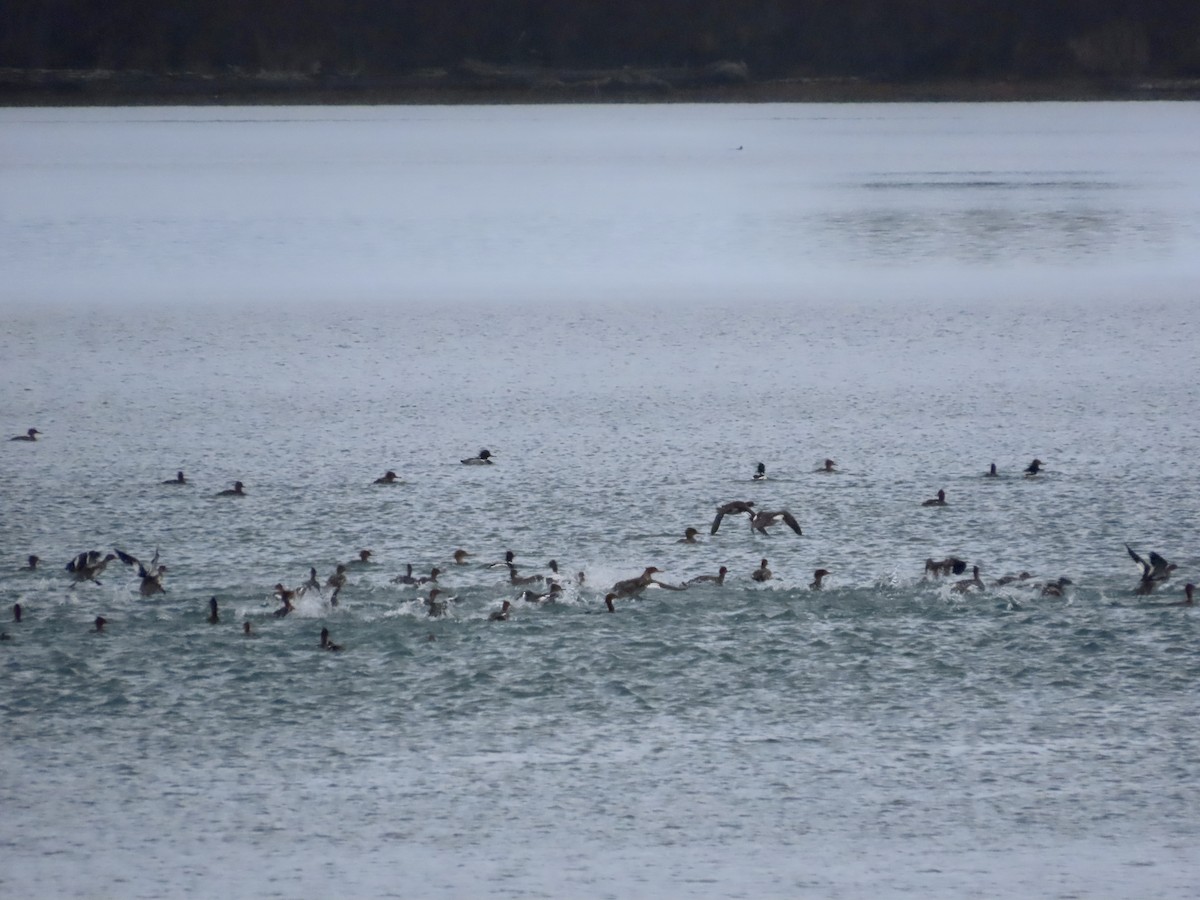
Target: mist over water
{"points": [[631, 306]]}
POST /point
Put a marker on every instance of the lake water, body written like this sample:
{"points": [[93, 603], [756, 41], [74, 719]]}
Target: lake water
{"points": [[631, 306]]}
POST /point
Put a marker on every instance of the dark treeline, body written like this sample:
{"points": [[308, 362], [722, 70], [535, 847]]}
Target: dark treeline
{"points": [[890, 40]]}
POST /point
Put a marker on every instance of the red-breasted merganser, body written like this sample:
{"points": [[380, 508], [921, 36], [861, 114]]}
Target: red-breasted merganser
{"points": [[1056, 588], [30, 435], [1154, 572], [326, 643], [732, 508], [388, 477], [406, 578], [286, 597], [717, 579], [88, 566], [762, 573], [828, 467], [991, 473], [549, 596], [460, 557], [972, 583], [431, 578], [99, 622], [337, 581], [500, 615], [178, 479], [509, 556], [214, 616], [236, 491], [631, 587], [313, 582], [689, 536], [32, 563], [1034, 467], [608, 602], [515, 579], [818, 577], [151, 576], [364, 558], [947, 566], [761, 521], [760, 472], [939, 500]]}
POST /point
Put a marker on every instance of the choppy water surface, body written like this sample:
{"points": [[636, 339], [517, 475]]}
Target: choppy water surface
{"points": [[631, 312]]}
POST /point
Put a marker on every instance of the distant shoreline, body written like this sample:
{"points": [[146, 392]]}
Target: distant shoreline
{"points": [[502, 86]]}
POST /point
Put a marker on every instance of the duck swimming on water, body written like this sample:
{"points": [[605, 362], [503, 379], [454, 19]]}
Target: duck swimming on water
{"points": [[939, 500], [484, 458], [760, 473], [30, 435], [178, 479], [762, 573]]}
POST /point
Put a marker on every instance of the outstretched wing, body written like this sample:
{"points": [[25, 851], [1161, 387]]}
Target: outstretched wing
{"points": [[791, 522], [717, 521], [1142, 564], [126, 558]]}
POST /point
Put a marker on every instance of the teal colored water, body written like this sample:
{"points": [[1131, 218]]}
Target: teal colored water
{"points": [[630, 313]]}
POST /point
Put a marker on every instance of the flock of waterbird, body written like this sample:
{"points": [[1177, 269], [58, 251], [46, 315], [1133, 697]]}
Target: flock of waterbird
{"points": [[89, 565]]}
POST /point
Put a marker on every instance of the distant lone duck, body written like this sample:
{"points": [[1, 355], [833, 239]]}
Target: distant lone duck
{"points": [[178, 479], [326, 643], [732, 508], [483, 459], [939, 500], [99, 624], [238, 490], [247, 630], [818, 577], [828, 467], [762, 573], [631, 587], [88, 566], [949, 565], [388, 477], [1034, 467], [760, 473], [16, 612], [30, 435], [364, 558], [500, 615], [718, 579], [214, 615], [689, 536], [31, 563], [461, 557], [991, 472], [761, 521], [969, 584]]}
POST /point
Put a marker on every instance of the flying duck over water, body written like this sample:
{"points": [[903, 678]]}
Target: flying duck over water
{"points": [[238, 490], [388, 477], [151, 576], [1154, 572], [30, 435], [1034, 467], [178, 479], [732, 508], [88, 566], [761, 521], [949, 565], [939, 500], [484, 458], [760, 472]]}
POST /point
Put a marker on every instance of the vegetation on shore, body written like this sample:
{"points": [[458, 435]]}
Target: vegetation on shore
{"points": [[120, 51]]}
